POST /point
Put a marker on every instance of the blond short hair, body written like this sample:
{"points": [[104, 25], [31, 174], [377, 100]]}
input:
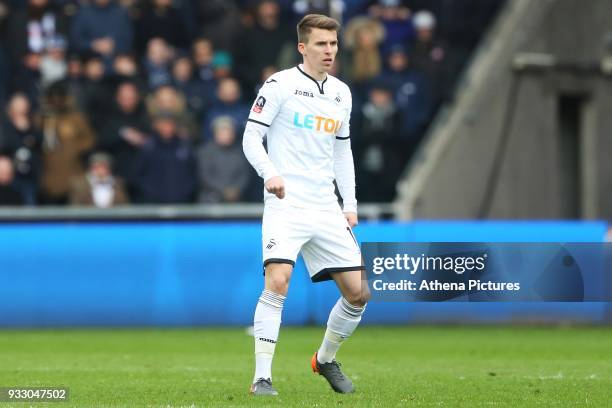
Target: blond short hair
{"points": [[310, 21]]}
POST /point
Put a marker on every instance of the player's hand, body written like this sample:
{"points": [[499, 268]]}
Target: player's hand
{"points": [[351, 218], [276, 186]]}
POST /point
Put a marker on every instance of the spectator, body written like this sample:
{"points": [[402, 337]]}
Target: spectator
{"points": [[75, 80], [96, 92], [8, 193], [27, 78], [411, 96], [157, 63], [126, 131], [395, 18], [167, 99], [53, 65], [222, 65], [98, 187], [67, 136], [30, 29], [198, 94], [203, 54], [332, 8], [103, 27], [377, 155], [159, 19], [432, 57], [220, 22], [228, 103], [362, 38], [166, 167], [260, 45], [125, 68], [223, 170], [21, 140]]}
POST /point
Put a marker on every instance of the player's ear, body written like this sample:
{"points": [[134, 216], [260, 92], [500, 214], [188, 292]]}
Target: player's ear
{"points": [[301, 48]]}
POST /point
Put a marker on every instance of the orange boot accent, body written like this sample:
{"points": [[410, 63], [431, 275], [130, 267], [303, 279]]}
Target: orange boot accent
{"points": [[313, 364]]}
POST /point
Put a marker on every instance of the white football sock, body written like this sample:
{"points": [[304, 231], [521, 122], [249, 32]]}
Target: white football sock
{"points": [[343, 320], [266, 325]]}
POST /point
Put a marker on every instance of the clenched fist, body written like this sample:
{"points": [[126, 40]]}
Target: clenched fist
{"points": [[351, 218], [276, 186]]}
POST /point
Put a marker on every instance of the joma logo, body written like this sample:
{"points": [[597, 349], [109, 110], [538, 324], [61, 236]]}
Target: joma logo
{"points": [[304, 93]]}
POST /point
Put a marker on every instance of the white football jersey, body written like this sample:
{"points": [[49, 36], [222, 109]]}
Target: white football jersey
{"points": [[305, 118]]}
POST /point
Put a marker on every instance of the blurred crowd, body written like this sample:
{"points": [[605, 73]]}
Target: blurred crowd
{"points": [[109, 102]]}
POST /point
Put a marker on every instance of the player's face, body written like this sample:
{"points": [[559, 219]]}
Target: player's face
{"points": [[320, 50]]}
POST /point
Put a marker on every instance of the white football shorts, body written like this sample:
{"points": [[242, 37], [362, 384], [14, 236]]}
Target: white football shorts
{"points": [[324, 237]]}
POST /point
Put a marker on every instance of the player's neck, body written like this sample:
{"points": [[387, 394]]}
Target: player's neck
{"points": [[319, 76]]}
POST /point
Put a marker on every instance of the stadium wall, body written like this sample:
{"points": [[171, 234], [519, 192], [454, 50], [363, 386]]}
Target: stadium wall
{"points": [[528, 134], [184, 273]]}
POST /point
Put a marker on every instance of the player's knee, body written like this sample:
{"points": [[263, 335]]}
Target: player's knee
{"points": [[278, 284], [358, 298], [277, 280]]}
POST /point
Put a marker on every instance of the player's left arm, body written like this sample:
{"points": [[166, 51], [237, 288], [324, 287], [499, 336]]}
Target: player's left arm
{"points": [[344, 167]]}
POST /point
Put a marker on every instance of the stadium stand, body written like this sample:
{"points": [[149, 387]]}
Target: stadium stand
{"points": [[78, 77]]}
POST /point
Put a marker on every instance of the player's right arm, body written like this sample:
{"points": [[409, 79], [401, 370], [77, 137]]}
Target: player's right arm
{"points": [[264, 110]]}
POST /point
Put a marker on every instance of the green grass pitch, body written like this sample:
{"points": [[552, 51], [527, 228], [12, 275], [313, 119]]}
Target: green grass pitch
{"points": [[390, 366]]}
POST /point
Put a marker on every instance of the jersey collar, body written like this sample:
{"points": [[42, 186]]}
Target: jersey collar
{"points": [[319, 86]]}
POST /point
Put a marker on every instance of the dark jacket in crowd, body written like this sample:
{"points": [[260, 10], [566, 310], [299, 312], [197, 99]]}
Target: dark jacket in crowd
{"points": [[10, 196], [256, 49], [219, 20], [96, 97], [200, 95], [25, 148], [94, 22], [412, 99], [166, 172], [157, 75], [439, 65], [167, 24], [110, 140], [378, 153]]}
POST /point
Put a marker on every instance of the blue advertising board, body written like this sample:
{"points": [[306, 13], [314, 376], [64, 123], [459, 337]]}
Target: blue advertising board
{"points": [[188, 273]]}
